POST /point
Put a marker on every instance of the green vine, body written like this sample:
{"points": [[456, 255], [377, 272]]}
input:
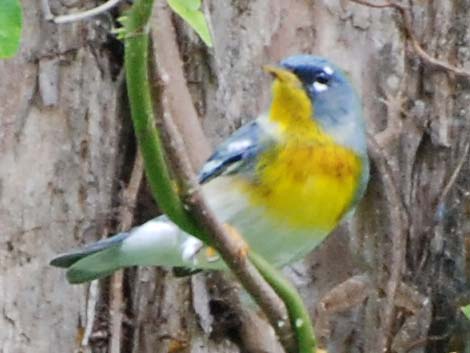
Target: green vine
{"points": [[138, 87], [298, 314]]}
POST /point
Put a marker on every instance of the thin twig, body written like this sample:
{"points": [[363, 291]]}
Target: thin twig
{"points": [[126, 218], [79, 16], [398, 228], [408, 27]]}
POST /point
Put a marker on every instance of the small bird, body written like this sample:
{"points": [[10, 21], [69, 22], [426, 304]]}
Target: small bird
{"points": [[283, 181]]}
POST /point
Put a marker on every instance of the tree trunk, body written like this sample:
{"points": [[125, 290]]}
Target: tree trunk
{"points": [[67, 149]]}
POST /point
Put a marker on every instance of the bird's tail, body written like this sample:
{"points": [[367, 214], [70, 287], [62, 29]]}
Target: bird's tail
{"points": [[94, 261], [158, 242]]}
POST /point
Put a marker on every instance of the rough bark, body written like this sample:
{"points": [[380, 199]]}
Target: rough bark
{"points": [[59, 135], [66, 151]]}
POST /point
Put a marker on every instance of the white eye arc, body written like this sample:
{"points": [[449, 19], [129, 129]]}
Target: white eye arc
{"points": [[320, 87], [328, 70]]}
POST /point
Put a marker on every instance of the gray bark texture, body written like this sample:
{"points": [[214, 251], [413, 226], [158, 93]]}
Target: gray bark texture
{"points": [[68, 171]]}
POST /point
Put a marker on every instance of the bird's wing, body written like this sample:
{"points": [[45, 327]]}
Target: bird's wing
{"points": [[236, 154]]}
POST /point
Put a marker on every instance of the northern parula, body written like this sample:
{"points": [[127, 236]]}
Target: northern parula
{"points": [[284, 181]]}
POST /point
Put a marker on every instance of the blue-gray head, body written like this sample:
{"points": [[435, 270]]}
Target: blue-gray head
{"points": [[337, 107]]}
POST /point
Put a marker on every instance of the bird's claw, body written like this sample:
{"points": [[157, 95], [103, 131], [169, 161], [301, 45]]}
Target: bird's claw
{"points": [[242, 245]]}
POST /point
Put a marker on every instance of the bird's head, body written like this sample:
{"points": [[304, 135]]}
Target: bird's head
{"points": [[312, 88]]}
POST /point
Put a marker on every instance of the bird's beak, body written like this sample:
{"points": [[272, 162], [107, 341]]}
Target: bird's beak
{"points": [[281, 73], [277, 71]]}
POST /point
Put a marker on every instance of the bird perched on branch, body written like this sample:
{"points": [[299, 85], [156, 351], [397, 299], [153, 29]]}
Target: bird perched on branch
{"points": [[283, 181]]}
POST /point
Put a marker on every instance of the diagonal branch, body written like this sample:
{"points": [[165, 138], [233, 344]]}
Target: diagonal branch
{"points": [[228, 247], [179, 114], [166, 59]]}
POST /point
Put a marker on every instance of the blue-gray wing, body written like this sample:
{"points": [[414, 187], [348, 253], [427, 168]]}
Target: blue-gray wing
{"points": [[237, 154]]}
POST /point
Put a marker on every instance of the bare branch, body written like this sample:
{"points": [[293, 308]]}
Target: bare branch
{"points": [[408, 27], [170, 69], [227, 246]]}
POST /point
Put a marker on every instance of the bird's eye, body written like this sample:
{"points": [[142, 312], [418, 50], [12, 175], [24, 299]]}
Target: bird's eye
{"points": [[322, 79], [321, 82]]}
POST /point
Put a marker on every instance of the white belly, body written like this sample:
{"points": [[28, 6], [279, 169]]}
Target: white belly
{"points": [[269, 237]]}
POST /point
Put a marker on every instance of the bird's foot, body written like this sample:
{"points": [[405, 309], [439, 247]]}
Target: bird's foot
{"points": [[242, 245], [212, 255]]}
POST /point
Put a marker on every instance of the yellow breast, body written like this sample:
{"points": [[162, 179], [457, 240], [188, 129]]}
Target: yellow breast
{"points": [[306, 186]]}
